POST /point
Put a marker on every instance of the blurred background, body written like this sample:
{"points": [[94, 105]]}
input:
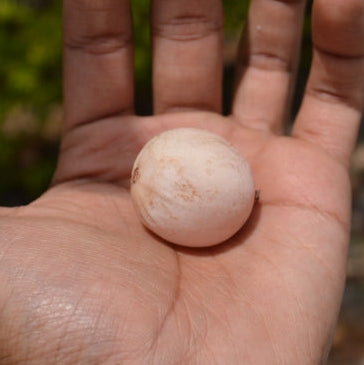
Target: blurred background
{"points": [[31, 116]]}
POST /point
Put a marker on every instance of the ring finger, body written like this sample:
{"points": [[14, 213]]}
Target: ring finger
{"points": [[268, 61]]}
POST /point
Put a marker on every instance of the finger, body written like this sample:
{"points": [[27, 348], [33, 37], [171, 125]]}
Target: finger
{"points": [[268, 62], [187, 50], [333, 102], [98, 60]]}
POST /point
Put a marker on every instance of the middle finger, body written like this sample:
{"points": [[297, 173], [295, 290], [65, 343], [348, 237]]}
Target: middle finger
{"points": [[187, 47]]}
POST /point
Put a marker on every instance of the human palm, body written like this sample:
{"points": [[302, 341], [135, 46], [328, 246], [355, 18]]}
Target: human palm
{"points": [[82, 281]]}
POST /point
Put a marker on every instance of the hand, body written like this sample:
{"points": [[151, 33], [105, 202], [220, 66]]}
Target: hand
{"points": [[82, 282]]}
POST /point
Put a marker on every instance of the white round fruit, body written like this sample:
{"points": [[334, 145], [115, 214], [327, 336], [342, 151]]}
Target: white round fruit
{"points": [[192, 188]]}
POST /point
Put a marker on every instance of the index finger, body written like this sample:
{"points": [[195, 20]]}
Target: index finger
{"points": [[98, 60]]}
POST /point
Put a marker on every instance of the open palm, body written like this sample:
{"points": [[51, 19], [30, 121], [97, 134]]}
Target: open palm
{"points": [[81, 280]]}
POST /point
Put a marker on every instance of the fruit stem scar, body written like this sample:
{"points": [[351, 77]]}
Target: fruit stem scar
{"points": [[136, 175], [257, 195]]}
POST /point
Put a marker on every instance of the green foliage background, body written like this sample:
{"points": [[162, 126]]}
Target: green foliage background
{"points": [[31, 86]]}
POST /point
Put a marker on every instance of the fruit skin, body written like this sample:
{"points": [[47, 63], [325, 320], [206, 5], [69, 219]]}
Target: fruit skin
{"points": [[192, 188]]}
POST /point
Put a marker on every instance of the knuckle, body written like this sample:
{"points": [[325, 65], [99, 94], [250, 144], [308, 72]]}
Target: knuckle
{"points": [[333, 95], [270, 62], [186, 28], [99, 44], [96, 26]]}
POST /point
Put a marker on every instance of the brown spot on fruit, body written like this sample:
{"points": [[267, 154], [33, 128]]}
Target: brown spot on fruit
{"points": [[135, 175]]}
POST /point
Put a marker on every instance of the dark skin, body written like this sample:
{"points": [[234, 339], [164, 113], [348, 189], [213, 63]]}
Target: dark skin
{"points": [[81, 280]]}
